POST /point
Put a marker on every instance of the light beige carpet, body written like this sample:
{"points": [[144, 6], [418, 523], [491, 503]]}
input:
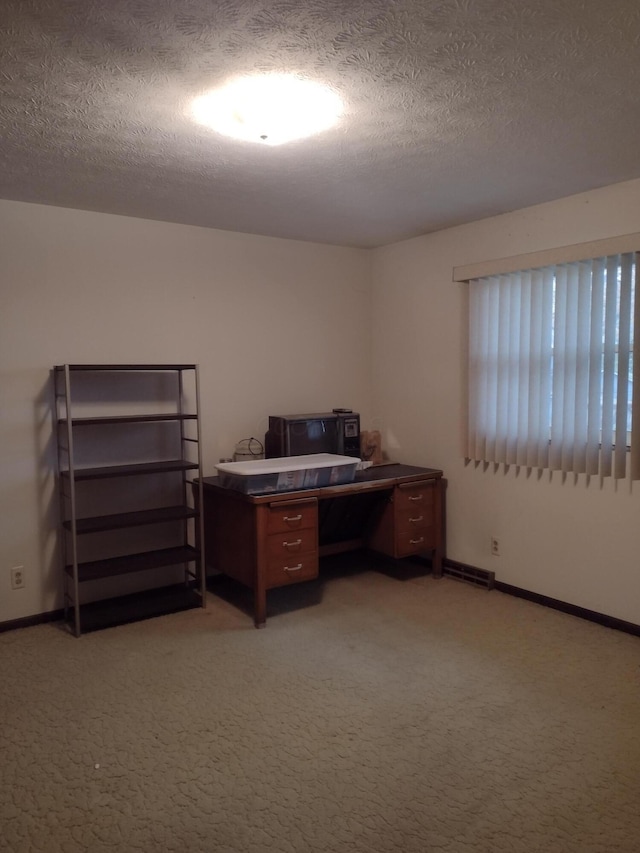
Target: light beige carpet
{"points": [[385, 715]]}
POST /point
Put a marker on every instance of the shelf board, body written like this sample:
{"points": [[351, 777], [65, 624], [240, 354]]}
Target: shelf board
{"points": [[131, 470], [128, 419], [99, 569], [130, 367], [132, 519], [137, 606]]}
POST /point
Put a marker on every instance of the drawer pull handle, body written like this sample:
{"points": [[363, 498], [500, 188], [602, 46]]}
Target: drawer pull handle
{"points": [[416, 520], [416, 541], [293, 568], [293, 517], [415, 497], [295, 544]]}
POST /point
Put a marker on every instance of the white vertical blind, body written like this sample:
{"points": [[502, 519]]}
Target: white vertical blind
{"points": [[550, 367]]}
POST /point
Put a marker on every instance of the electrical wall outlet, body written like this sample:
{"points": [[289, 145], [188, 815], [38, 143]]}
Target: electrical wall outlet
{"points": [[17, 577], [495, 547]]}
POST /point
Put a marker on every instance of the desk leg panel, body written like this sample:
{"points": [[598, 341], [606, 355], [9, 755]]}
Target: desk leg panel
{"points": [[440, 526], [260, 567], [230, 537]]}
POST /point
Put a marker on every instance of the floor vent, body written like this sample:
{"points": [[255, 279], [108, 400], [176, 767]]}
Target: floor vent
{"points": [[469, 574]]}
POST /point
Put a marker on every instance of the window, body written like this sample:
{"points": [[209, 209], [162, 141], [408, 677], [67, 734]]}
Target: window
{"points": [[551, 367]]}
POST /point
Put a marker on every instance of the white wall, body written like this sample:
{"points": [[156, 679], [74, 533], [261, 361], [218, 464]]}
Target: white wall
{"points": [[565, 539], [85, 287], [276, 326]]}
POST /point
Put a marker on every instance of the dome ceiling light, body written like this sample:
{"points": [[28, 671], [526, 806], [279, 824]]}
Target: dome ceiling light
{"points": [[270, 109]]}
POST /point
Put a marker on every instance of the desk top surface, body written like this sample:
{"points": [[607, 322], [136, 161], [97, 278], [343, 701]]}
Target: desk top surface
{"points": [[376, 478]]}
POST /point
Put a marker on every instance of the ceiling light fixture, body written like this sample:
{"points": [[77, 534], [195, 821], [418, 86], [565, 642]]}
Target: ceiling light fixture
{"points": [[270, 109]]}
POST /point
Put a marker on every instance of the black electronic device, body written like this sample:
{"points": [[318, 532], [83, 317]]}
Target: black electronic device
{"points": [[322, 432]]}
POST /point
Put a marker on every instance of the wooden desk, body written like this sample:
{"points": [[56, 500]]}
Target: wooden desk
{"points": [[270, 540]]}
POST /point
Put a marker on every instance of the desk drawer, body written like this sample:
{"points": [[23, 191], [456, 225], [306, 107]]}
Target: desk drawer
{"points": [[292, 543], [295, 568], [415, 498], [414, 523], [285, 517], [414, 541]]}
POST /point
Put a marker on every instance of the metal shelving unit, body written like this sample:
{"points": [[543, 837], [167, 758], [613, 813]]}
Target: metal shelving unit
{"points": [[76, 526]]}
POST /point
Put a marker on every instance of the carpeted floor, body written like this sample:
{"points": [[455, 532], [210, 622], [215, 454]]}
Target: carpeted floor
{"points": [[371, 715]]}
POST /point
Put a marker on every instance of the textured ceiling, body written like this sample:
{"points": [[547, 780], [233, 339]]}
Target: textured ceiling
{"points": [[455, 109]]}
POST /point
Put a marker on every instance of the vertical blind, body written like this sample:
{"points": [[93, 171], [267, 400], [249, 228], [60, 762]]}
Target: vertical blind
{"points": [[551, 367]]}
